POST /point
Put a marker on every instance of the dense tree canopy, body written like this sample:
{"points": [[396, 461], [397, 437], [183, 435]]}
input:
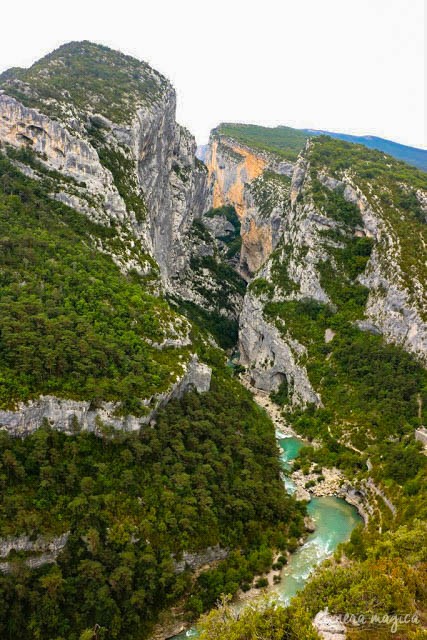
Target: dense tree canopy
{"points": [[207, 474]]}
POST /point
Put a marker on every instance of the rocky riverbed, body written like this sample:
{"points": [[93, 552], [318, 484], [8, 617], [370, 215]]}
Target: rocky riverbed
{"points": [[330, 482]]}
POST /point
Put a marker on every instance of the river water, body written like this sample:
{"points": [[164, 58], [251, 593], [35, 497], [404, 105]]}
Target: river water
{"points": [[334, 520]]}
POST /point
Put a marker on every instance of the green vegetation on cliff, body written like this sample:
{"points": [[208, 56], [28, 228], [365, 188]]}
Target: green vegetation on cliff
{"points": [[370, 390], [91, 77], [207, 474], [391, 187], [288, 142], [282, 141], [233, 239], [71, 323]]}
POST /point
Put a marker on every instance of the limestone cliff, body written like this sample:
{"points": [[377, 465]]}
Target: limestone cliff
{"points": [[71, 416], [96, 129], [301, 223], [111, 145], [269, 357], [124, 162], [243, 177]]}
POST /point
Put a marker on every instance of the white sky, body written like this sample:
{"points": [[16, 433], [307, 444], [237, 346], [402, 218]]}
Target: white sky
{"points": [[355, 66]]}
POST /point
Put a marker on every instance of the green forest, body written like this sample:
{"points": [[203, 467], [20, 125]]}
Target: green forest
{"points": [[70, 322], [207, 474]]}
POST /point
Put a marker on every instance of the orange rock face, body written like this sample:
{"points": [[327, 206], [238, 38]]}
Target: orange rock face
{"points": [[231, 167], [250, 167], [257, 246]]}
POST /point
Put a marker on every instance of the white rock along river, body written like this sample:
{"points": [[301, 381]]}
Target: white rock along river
{"points": [[334, 520]]}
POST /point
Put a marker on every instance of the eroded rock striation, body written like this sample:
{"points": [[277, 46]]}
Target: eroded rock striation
{"points": [[293, 238]]}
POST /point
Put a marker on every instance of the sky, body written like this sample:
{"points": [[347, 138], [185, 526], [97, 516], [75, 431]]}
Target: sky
{"points": [[353, 66]]}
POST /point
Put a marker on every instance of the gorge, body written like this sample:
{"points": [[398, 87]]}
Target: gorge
{"points": [[146, 298]]}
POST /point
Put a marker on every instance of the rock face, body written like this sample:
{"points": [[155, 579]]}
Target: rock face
{"points": [[390, 308], [119, 157], [269, 359], [421, 436], [332, 482], [288, 240], [45, 550], [72, 415], [195, 561], [63, 152], [126, 165], [160, 158], [242, 177]]}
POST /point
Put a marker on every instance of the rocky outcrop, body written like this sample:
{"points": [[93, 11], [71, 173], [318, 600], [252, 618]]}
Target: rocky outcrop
{"points": [[194, 561], [269, 359], [307, 240], [129, 167], [175, 186], [159, 165], [24, 543], [66, 153], [138, 175], [71, 416], [242, 177], [399, 316], [231, 166], [332, 482], [43, 550], [266, 207]]}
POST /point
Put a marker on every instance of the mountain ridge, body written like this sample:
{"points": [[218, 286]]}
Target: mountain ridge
{"points": [[131, 275], [412, 155], [293, 140]]}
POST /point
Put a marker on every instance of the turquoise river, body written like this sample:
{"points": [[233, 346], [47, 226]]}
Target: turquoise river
{"points": [[334, 520]]}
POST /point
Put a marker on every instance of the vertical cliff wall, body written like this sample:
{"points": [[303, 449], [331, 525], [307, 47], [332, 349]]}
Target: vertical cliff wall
{"points": [[124, 161], [243, 177], [96, 131], [301, 222]]}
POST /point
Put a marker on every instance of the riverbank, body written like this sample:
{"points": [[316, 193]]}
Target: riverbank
{"points": [[331, 482], [329, 523], [262, 398]]}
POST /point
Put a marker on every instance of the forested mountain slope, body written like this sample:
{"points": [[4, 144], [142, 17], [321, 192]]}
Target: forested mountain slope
{"points": [[412, 155], [144, 459], [289, 142], [334, 328], [129, 274]]}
